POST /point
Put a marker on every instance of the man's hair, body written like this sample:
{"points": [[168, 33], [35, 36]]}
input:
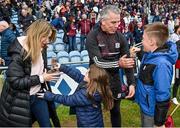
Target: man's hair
{"points": [[158, 31], [104, 13]]}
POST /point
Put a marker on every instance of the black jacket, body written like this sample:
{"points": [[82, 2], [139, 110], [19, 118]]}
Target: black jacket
{"points": [[15, 97]]}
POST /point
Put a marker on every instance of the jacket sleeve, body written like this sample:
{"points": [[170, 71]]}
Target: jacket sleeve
{"points": [[17, 77], [74, 73], [162, 83], [79, 98], [125, 50], [10, 35], [94, 52]]}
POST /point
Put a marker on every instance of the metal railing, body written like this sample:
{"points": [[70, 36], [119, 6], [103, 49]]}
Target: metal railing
{"points": [[68, 63]]}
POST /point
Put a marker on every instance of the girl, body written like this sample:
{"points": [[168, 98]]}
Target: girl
{"points": [[93, 88]]}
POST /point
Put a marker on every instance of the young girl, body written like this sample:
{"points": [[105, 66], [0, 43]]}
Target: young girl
{"points": [[93, 88]]}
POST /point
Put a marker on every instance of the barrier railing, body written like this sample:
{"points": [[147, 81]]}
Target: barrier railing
{"points": [[68, 63]]}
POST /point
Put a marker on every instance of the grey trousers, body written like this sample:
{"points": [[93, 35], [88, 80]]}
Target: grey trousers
{"points": [[147, 121]]}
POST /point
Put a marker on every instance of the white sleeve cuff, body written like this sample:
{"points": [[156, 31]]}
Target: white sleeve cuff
{"points": [[41, 78]]}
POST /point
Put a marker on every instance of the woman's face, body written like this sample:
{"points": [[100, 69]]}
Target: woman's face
{"points": [[45, 40]]}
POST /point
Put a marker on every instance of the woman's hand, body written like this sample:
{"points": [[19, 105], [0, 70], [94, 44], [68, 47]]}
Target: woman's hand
{"points": [[51, 76]]}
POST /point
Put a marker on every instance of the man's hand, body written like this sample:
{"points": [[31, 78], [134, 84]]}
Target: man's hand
{"points": [[131, 91], [125, 62]]}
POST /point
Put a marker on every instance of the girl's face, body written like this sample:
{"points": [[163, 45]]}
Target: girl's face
{"points": [[86, 77], [45, 40]]}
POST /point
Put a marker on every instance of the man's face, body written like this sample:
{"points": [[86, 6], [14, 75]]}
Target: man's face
{"points": [[110, 24]]}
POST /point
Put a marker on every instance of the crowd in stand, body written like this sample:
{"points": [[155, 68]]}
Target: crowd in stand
{"points": [[79, 16]]}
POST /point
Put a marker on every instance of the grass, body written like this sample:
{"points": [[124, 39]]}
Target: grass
{"points": [[129, 112]]}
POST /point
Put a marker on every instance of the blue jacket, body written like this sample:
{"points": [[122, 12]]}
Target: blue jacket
{"points": [[88, 112], [7, 37], [155, 77]]}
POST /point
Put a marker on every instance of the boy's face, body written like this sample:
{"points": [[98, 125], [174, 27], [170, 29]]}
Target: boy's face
{"points": [[147, 43]]}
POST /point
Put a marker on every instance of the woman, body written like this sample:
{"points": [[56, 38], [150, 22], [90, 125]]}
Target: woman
{"points": [[93, 89], [25, 77]]}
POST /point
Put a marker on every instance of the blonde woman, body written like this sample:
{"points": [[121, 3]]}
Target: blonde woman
{"points": [[25, 77]]}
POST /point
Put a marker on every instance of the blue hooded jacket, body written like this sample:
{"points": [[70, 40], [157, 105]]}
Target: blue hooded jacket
{"points": [[155, 77]]}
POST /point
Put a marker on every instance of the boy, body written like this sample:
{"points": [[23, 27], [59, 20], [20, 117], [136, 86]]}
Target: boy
{"points": [[155, 76]]}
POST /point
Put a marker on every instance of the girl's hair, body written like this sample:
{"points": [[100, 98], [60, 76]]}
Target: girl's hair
{"points": [[99, 81], [35, 32]]}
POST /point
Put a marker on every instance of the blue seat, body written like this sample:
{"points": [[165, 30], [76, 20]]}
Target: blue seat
{"points": [[63, 57], [50, 47], [60, 35], [58, 40], [50, 55], [84, 55], [75, 56], [59, 47]]}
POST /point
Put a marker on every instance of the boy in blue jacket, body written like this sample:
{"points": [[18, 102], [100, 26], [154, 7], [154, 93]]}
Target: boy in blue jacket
{"points": [[93, 89], [155, 76]]}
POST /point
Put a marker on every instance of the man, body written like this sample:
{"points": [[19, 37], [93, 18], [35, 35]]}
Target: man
{"points": [[108, 49], [84, 26], [156, 71], [7, 37]]}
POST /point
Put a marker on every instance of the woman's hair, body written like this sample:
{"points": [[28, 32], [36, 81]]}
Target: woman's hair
{"points": [[159, 31], [99, 81], [35, 32]]}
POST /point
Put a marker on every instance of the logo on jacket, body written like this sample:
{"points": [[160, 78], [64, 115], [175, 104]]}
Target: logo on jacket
{"points": [[117, 45]]}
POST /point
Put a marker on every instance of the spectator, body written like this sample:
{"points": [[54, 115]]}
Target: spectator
{"points": [[25, 19], [26, 77], [84, 26], [7, 38], [70, 29], [138, 32], [155, 76], [176, 35], [14, 29], [108, 49]]}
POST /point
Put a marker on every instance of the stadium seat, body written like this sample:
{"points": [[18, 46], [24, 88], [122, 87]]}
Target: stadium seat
{"points": [[59, 47], [50, 47], [58, 40], [50, 55], [63, 57], [75, 56], [84, 55], [60, 35]]}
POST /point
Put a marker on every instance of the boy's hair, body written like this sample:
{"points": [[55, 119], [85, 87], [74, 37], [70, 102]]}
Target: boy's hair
{"points": [[99, 81], [158, 31]]}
